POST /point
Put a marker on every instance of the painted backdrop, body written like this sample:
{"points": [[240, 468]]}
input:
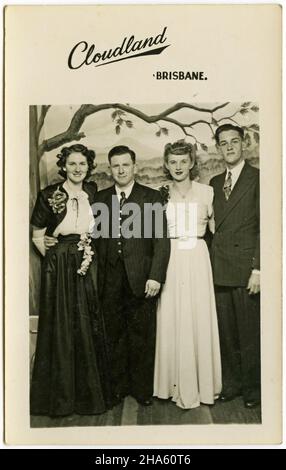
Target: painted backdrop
{"points": [[144, 128]]}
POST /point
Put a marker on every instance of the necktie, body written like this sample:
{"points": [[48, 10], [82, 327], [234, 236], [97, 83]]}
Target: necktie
{"points": [[227, 186], [122, 199]]}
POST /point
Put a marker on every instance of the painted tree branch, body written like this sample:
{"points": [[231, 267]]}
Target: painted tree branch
{"points": [[59, 140], [229, 117], [41, 121], [72, 132]]}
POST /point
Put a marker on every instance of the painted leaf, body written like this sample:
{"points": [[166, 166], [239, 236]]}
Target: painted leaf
{"points": [[114, 115]]}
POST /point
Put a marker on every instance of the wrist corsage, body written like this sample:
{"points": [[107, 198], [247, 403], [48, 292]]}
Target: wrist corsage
{"points": [[58, 201], [84, 245]]}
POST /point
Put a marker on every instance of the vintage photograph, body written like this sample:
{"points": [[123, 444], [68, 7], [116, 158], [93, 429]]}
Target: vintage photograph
{"points": [[144, 277], [143, 240]]}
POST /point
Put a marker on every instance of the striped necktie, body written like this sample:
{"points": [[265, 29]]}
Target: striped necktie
{"points": [[227, 186], [122, 199]]}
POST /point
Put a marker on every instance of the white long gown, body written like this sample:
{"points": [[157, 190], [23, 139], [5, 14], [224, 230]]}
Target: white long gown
{"points": [[187, 363]]}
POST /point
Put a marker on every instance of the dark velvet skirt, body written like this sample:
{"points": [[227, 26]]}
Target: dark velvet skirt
{"points": [[71, 372]]}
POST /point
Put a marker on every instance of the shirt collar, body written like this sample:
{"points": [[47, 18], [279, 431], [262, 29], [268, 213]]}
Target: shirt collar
{"points": [[235, 171], [126, 190]]}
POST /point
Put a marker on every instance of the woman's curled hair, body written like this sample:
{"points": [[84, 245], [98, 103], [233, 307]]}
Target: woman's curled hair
{"points": [[76, 148], [181, 147]]}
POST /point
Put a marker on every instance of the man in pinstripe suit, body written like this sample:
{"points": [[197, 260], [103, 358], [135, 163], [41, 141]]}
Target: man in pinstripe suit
{"points": [[236, 268], [131, 271]]}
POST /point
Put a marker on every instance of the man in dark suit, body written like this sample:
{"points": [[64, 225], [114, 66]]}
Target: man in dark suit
{"points": [[133, 254], [236, 268]]}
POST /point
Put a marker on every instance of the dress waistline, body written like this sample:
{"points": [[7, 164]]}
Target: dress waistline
{"points": [[185, 238], [72, 237]]}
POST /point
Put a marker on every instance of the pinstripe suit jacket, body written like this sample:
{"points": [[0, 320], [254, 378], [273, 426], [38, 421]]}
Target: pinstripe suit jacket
{"points": [[236, 242], [144, 258]]}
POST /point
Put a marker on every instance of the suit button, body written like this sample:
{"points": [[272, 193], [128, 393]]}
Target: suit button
{"points": [[118, 243], [119, 251]]}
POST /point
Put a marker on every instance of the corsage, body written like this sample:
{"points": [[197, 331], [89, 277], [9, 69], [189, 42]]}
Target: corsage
{"points": [[84, 245], [58, 201]]}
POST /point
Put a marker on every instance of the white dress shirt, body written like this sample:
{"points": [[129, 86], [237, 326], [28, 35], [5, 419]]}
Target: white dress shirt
{"points": [[126, 191], [235, 173]]}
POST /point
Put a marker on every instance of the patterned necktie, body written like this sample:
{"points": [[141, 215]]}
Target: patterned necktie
{"points": [[122, 199], [227, 186]]}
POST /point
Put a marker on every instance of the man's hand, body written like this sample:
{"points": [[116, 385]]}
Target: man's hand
{"points": [[254, 283], [50, 241], [152, 288]]}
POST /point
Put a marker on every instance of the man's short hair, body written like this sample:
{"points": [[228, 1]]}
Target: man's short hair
{"points": [[120, 150], [228, 127]]}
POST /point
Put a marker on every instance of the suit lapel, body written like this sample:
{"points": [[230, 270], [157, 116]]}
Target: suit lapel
{"points": [[108, 201], [219, 195], [136, 197], [241, 187]]}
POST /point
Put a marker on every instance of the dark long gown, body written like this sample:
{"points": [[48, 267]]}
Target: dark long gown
{"points": [[70, 368], [70, 373]]}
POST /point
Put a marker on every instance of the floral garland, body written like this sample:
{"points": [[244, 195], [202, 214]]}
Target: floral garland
{"points": [[84, 245], [58, 201]]}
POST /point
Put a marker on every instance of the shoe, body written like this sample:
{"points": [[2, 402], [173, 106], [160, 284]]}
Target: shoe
{"points": [[251, 404], [145, 402], [224, 398]]}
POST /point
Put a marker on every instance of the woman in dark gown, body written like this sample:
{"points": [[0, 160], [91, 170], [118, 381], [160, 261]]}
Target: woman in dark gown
{"points": [[70, 373]]}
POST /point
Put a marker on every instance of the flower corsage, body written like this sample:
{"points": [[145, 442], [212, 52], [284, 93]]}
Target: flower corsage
{"points": [[58, 201], [165, 193], [84, 245]]}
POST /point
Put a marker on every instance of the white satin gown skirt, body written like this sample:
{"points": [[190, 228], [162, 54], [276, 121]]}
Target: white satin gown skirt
{"points": [[187, 363]]}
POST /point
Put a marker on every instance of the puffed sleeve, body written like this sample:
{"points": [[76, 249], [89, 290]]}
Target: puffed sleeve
{"points": [[41, 213]]}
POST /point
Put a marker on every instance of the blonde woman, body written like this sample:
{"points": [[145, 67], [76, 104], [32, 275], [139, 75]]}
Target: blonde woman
{"points": [[187, 364]]}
